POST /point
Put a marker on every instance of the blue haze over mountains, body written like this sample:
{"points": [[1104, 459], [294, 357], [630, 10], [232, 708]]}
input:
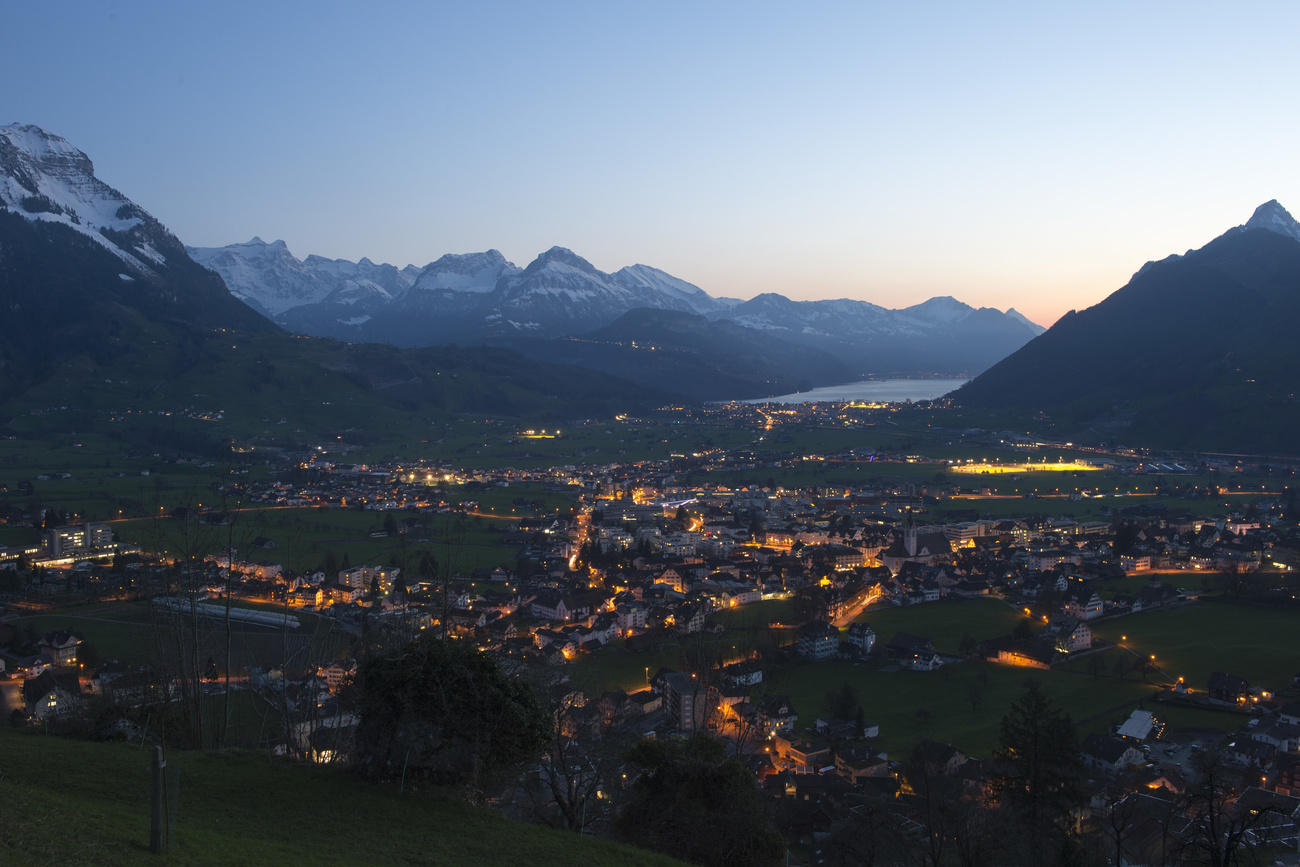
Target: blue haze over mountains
{"points": [[561, 307]]}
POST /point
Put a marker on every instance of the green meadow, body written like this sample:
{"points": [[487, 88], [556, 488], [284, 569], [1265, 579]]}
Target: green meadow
{"points": [[84, 803]]}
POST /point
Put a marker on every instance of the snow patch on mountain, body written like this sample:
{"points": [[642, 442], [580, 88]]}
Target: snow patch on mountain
{"points": [[44, 178], [1275, 218], [476, 296], [270, 278], [645, 280], [464, 272], [1014, 314], [940, 310]]}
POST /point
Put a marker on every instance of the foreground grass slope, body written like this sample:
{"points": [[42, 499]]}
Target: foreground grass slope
{"points": [[71, 802]]}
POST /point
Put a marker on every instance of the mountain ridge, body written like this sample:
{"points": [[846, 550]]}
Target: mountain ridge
{"points": [[113, 329], [482, 298], [1196, 350]]}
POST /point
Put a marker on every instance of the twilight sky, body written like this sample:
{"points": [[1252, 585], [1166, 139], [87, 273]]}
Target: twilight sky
{"points": [[1010, 154]]}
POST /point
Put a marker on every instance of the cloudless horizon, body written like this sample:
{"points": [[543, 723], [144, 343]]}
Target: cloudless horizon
{"points": [[1008, 154]]}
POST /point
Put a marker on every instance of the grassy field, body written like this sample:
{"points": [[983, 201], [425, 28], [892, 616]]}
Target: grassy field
{"points": [[540, 499], [964, 703], [500, 445], [134, 635], [1180, 718], [304, 536], [87, 803], [945, 622], [912, 705], [105, 482], [1256, 642], [757, 614]]}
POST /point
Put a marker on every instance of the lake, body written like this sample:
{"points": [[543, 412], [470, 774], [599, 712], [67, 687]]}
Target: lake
{"points": [[871, 390]]}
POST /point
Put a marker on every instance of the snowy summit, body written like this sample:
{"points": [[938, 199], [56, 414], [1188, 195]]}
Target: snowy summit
{"points": [[44, 178]]}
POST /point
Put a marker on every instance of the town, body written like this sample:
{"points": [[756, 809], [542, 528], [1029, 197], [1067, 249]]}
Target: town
{"points": [[852, 622]]}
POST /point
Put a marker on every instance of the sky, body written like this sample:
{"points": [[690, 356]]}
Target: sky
{"points": [[1027, 155]]}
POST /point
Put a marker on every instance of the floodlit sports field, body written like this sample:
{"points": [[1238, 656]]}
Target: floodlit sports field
{"points": [[998, 469]]}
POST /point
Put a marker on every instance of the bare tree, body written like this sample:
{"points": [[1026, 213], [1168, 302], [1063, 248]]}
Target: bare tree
{"points": [[1222, 830]]}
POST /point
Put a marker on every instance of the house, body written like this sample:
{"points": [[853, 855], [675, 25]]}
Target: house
{"points": [[344, 595], [746, 673], [861, 636], [913, 651], [631, 616], [52, 695], [1290, 713], [673, 579], [1283, 735], [805, 755], [1083, 604], [1224, 686], [1110, 754], [60, 647], [1041, 561], [817, 640], [776, 714], [1286, 774], [550, 605], [689, 618], [941, 758], [645, 702], [857, 762], [1280, 816], [130, 688], [336, 672], [1069, 633]]}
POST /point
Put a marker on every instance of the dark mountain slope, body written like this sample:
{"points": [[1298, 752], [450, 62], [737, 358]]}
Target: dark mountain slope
{"points": [[65, 295], [1197, 350], [111, 329], [695, 357]]}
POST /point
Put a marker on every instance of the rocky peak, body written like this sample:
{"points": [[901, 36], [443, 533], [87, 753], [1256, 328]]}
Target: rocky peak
{"points": [[1275, 218]]}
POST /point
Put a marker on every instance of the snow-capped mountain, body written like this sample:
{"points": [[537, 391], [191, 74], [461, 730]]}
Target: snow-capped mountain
{"points": [[481, 297], [272, 280], [941, 334], [560, 289], [646, 280], [45, 179], [1272, 216], [843, 317], [457, 298], [476, 273], [86, 273]]}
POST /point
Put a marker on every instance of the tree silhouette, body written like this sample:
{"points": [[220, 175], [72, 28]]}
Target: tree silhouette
{"points": [[1038, 768], [694, 803]]}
